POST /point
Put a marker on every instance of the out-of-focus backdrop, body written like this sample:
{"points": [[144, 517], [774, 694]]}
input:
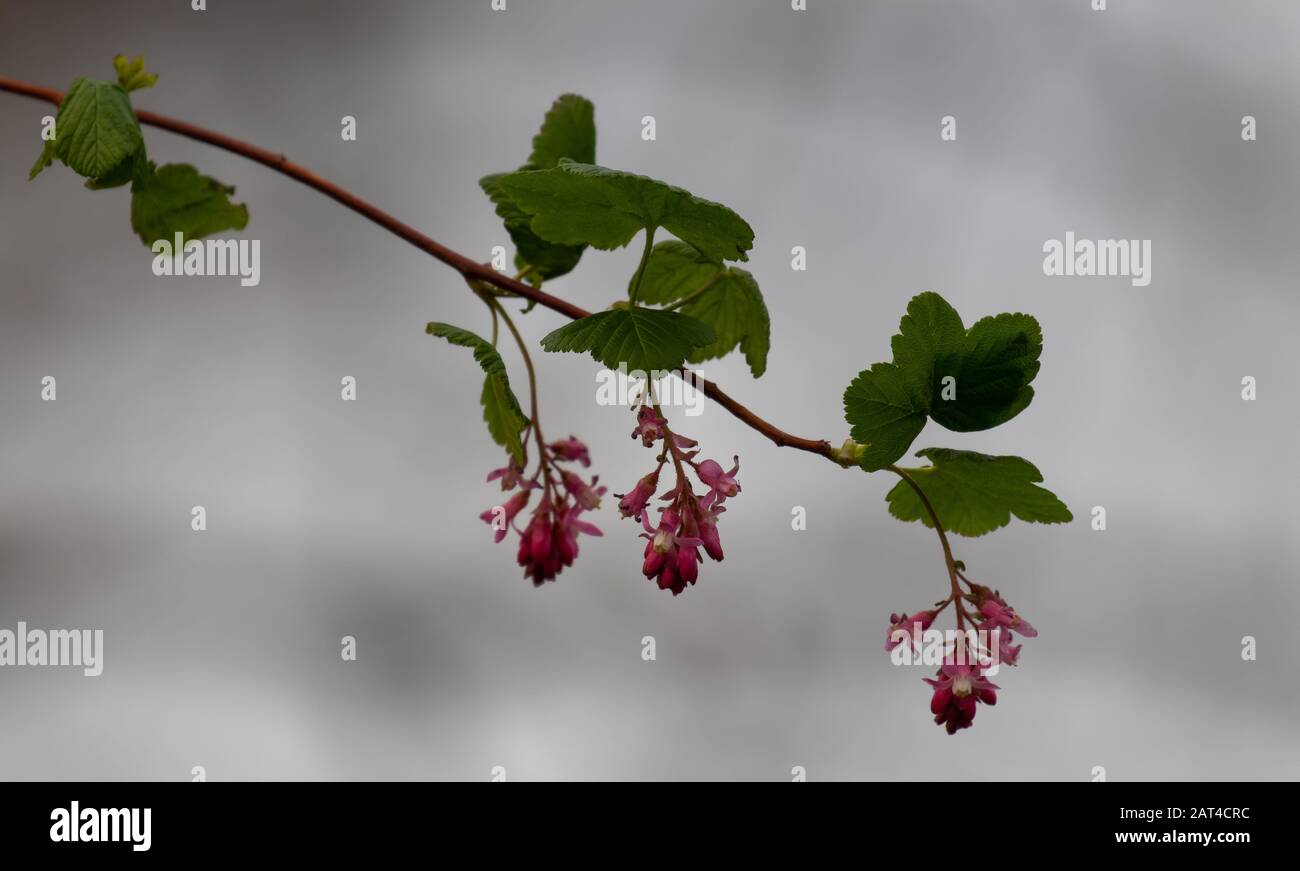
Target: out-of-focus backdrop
{"points": [[329, 518]]}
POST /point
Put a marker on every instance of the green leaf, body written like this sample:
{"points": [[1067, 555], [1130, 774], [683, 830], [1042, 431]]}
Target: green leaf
{"points": [[175, 199], [974, 494], [998, 360], [501, 412], [991, 365], [579, 203], [727, 299], [643, 338], [131, 75], [734, 308], [568, 130], [673, 271], [931, 330], [502, 415], [885, 413], [547, 259], [125, 172], [95, 129]]}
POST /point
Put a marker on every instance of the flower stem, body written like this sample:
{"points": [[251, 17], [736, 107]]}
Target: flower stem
{"points": [[535, 420], [943, 539]]}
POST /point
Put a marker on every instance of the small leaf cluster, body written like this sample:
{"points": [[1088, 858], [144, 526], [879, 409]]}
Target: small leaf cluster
{"points": [[965, 380], [684, 303], [97, 136]]}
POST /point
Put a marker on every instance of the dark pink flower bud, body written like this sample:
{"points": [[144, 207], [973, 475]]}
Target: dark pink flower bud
{"points": [[669, 579], [688, 563], [670, 557], [708, 526], [710, 538], [653, 562]]}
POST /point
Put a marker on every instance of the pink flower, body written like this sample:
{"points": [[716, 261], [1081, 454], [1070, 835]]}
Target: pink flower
{"points": [[569, 527], [684, 443], [585, 495], [571, 449], [1008, 654], [670, 558], [956, 692], [551, 541], [718, 481], [904, 628], [508, 511], [649, 426], [633, 504], [510, 475], [706, 529], [535, 548], [1000, 614], [688, 565]]}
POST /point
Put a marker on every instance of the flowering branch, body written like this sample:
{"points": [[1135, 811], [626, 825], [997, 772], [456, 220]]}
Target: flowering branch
{"points": [[684, 304]]}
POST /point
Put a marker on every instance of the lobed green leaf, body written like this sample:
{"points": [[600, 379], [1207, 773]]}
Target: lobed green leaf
{"points": [[643, 338], [885, 413], [725, 298], [673, 271], [568, 131], [547, 259], [579, 203], [175, 198], [95, 130], [991, 365], [501, 412], [974, 494]]}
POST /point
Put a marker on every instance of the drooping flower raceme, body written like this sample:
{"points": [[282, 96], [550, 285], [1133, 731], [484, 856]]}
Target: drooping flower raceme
{"points": [[961, 683], [688, 523], [549, 542]]}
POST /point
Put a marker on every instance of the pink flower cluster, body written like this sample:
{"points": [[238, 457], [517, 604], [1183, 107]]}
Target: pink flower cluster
{"points": [[689, 522], [550, 540], [961, 684]]}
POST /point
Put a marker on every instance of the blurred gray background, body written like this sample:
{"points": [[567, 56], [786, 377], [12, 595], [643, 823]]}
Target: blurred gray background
{"points": [[821, 128]]}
